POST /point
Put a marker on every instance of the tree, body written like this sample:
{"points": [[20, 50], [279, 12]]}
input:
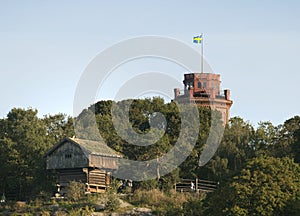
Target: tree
{"points": [[286, 138], [58, 126], [190, 167], [144, 117], [233, 152], [296, 147], [264, 187], [287, 141], [264, 138], [24, 139]]}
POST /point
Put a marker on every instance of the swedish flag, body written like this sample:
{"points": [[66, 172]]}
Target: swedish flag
{"points": [[197, 39]]}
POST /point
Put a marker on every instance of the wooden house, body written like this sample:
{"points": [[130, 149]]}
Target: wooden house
{"points": [[85, 161]]}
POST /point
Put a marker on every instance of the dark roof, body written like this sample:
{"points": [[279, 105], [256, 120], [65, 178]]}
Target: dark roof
{"points": [[88, 147]]}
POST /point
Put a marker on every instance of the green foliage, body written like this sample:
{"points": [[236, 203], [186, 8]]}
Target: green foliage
{"points": [[254, 166], [194, 206], [76, 190], [24, 144], [113, 202], [263, 187], [141, 113], [286, 139], [292, 207], [263, 138], [149, 184], [24, 139], [114, 186], [84, 211], [234, 150]]}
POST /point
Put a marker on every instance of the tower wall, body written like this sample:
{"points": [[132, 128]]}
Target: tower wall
{"points": [[205, 90]]}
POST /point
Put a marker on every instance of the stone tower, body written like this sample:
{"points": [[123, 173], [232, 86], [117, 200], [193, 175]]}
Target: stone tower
{"points": [[204, 89]]}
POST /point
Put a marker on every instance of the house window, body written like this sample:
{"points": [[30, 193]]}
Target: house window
{"points": [[68, 156]]}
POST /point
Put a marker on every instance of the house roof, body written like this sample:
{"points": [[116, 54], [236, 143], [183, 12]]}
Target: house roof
{"points": [[88, 147]]}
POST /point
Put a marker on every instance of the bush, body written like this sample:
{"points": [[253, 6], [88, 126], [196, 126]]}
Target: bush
{"points": [[149, 184], [194, 206], [82, 211], [113, 203], [76, 190]]}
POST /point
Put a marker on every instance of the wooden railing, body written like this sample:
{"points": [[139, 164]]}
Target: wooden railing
{"points": [[196, 185]]}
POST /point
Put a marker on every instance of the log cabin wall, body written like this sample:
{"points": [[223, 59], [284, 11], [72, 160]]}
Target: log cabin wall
{"points": [[103, 162], [97, 176], [67, 156], [67, 175], [98, 180]]}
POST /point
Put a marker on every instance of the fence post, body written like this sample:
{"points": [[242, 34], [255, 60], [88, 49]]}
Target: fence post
{"points": [[196, 185]]}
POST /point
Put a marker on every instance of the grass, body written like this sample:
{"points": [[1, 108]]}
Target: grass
{"points": [[161, 203], [84, 206]]}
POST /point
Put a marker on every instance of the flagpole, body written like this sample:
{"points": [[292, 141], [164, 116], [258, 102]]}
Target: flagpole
{"points": [[202, 64]]}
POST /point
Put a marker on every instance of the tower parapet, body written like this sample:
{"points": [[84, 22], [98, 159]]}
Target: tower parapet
{"points": [[204, 89]]}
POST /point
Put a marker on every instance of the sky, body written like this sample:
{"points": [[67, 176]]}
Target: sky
{"points": [[45, 47]]}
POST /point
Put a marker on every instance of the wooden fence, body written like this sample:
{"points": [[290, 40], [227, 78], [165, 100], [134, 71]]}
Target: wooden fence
{"points": [[196, 185]]}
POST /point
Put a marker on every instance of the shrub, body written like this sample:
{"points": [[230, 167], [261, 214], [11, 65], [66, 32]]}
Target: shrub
{"points": [[81, 211], [194, 206], [113, 203], [76, 190]]}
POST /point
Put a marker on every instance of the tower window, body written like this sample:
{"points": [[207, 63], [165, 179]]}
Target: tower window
{"points": [[199, 84], [204, 85]]}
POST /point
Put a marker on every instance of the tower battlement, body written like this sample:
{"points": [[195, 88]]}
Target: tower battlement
{"points": [[205, 90]]}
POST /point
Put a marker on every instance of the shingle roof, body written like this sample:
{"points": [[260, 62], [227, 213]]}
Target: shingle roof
{"points": [[95, 147], [88, 147]]}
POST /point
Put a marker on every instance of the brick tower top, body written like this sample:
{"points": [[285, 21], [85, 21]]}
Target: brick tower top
{"points": [[205, 90]]}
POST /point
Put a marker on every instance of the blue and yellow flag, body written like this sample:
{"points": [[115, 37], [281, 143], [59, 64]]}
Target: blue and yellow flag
{"points": [[197, 39]]}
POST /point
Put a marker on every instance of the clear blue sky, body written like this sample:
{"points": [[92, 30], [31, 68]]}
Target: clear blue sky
{"points": [[254, 45]]}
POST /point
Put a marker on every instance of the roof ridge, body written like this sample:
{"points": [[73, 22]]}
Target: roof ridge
{"points": [[91, 146]]}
